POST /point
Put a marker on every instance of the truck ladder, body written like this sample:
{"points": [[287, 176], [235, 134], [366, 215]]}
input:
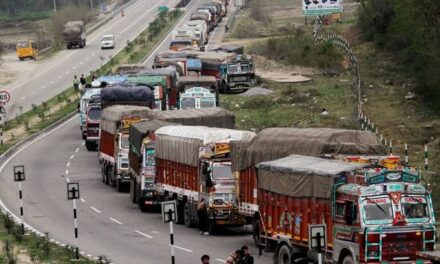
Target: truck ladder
{"points": [[424, 237], [368, 244]]}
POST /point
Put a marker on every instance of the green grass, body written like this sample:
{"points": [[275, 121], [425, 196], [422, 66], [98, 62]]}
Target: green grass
{"points": [[4, 17]]}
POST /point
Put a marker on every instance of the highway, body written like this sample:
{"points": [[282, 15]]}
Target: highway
{"points": [[53, 75], [109, 224]]}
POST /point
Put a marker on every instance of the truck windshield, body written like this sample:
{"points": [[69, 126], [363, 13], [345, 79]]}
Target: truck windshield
{"points": [[414, 207], [221, 171], [149, 157], [232, 68], [207, 103], [378, 209], [244, 67], [23, 44], [125, 144], [187, 103], [94, 113]]}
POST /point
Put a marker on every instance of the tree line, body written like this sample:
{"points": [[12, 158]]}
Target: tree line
{"points": [[411, 30], [15, 7]]}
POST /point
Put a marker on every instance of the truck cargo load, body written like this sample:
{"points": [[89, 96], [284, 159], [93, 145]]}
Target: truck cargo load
{"points": [[128, 95], [74, 34], [142, 148], [366, 215]]}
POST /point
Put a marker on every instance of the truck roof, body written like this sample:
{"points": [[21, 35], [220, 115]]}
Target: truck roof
{"points": [[140, 130], [127, 94], [275, 143], [112, 115], [152, 80], [302, 176], [210, 117], [197, 79]]}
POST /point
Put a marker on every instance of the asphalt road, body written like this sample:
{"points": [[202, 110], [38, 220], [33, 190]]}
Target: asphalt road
{"points": [[109, 224], [53, 75]]}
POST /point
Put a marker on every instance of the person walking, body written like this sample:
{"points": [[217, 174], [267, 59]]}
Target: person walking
{"points": [[75, 83], [247, 257], [202, 215], [235, 257], [205, 259]]}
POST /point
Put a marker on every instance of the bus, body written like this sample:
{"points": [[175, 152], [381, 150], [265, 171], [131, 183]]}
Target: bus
{"points": [[26, 49]]}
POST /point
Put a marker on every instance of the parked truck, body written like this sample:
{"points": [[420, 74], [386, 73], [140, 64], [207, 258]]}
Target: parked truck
{"points": [[358, 215], [74, 34], [82, 109], [275, 143], [142, 148], [93, 120], [193, 162]]}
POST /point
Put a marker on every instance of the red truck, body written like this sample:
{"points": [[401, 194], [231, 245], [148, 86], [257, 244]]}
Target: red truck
{"points": [[357, 213], [142, 148], [275, 143], [193, 162]]}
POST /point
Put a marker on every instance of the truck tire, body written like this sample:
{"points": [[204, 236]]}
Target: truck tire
{"points": [[111, 177], [142, 206], [89, 146], [348, 260], [106, 174], [212, 227], [180, 212], [103, 173], [283, 255], [119, 185], [68, 46], [133, 197], [187, 216]]}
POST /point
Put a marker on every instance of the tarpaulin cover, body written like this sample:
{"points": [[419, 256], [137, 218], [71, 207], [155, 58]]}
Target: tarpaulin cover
{"points": [[123, 94], [169, 71], [147, 80], [182, 143], [210, 117], [73, 28], [194, 64], [112, 79], [199, 16], [112, 115], [275, 143], [231, 48], [141, 130], [302, 176]]}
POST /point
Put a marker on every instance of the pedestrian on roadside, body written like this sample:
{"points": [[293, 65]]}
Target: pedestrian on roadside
{"points": [[75, 83], [247, 257], [202, 215], [205, 259], [235, 257], [226, 28], [82, 81]]}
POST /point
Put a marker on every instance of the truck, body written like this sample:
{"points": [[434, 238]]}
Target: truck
{"points": [[142, 148], [115, 126], [199, 26], [196, 98], [82, 108], [207, 82], [74, 34], [275, 143], [193, 162], [232, 71], [160, 87], [345, 212], [184, 33], [93, 120], [205, 16]]}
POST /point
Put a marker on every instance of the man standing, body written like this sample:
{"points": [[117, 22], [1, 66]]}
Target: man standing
{"points": [[82, 81], [235, 257], [202, 215], [75, 83], [247, 257]]}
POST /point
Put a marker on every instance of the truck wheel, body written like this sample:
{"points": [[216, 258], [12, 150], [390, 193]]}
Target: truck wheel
{"points": [[187, 217], [68, 46], [180, 212], [283, 255], [348, 260], [212, 227], [119, 185], [133, 191], [89, 146], [111, 176], [142, 206], [103, 173], [106, 174]]}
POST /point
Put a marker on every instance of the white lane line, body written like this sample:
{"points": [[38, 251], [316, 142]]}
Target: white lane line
{"points": [[67, 180], [87, 58], [155, 232], [82, 253], [184, 249], [83, 143], [73, 156], [94, 209], [116, 221], [67, 172], [143, 234], [21, 98], [77, 149], [68, 164], [82, 200], [89, 255], [81, 62], [67, 72], [221, 260]]}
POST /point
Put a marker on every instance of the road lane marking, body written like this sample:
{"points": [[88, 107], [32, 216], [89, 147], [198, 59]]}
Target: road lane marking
{"points": [[67, 172], [74, 67], [155, 232], [96, 210], [68, 164], [67, 72], [221, 260], [116, 221], [73, 156], [67, 180], [143, 234], [83, 143], [82, 200], [184, 249], [89, 255], [21, 98], [77, 149]]}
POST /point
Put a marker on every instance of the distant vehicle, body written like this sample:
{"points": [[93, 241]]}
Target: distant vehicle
{"points": [[27, 49], [108, 42], [75, 34]]}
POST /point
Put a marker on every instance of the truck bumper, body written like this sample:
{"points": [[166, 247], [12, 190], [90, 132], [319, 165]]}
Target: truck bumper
{"points": [[124, 177], [229, 220], [150, 197]]}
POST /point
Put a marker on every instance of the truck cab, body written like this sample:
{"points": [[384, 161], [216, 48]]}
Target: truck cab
{"points": [[82, 109], [197, 97], [121, 153], [238, 73], [93, 118]]}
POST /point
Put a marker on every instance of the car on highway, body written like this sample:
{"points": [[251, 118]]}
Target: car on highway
{"points": [[108, 42]]}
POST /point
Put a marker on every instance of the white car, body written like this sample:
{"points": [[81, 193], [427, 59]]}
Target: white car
{"points": [[108, 42]]}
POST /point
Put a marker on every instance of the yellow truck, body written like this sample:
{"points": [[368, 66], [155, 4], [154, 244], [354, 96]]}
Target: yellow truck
{"points": [[27, 49]]}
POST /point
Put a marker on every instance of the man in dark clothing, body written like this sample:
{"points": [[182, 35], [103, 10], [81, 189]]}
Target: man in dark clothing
{"points": [[202, 215], [247, 257], [205, 259], [82, 81]]}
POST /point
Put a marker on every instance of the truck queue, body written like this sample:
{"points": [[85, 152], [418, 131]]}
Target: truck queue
{"points": [[161, 134]]}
